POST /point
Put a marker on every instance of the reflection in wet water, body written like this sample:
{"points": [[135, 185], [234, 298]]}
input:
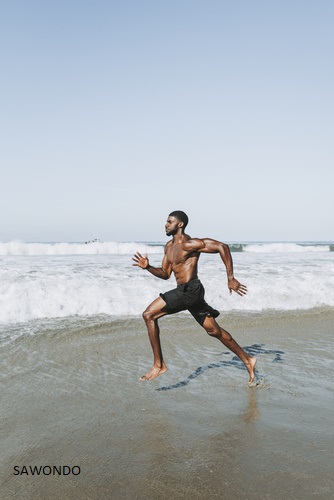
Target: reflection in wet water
{"points": [[253, 350]]}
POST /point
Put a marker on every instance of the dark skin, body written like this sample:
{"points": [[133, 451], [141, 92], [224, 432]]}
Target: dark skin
{"points": [[181, 258]]}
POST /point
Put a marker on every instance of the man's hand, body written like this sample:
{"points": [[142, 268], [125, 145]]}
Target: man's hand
{"points": [[237, 287], [140, 260]]}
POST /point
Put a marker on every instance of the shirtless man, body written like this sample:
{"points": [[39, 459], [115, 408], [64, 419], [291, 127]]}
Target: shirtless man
{"points": [[181, 257]]}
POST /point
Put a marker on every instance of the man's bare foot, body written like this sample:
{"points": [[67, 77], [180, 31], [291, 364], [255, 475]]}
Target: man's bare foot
{"points": [[250, 365], [154, 372]]}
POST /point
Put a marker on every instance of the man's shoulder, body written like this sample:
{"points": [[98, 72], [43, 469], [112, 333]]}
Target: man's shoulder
{"points": [[193, 244], [195, 239], [168, 245]]}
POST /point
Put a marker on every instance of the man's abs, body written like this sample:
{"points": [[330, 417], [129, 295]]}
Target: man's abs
{"points": [[185, 272]]}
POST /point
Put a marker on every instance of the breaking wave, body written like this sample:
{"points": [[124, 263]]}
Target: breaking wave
{"points": [[286, 247], [94, 248], [124, 248]]}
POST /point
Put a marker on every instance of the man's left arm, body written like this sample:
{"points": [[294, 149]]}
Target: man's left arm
{"points": [[214, 246]]}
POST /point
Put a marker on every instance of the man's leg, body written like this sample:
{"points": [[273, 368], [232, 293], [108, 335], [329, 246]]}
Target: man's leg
{"points": [[213, 329], [151, 315]]}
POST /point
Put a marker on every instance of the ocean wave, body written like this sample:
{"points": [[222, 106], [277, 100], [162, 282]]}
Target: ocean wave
{"points": [[285, 247], [94, 248], [46, 287]]}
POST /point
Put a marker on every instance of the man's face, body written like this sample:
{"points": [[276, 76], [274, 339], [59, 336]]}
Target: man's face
{"points": [[172, 225]]}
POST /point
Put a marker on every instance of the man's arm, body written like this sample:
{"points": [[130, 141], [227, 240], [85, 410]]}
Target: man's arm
{"points": [[208, 245], [162, 272]]}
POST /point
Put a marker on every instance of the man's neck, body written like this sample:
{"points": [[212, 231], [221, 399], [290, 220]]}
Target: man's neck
{"points": [[178, 237]]}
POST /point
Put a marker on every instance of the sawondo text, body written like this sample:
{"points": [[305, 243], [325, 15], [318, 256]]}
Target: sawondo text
{"points": [[46, 470]]}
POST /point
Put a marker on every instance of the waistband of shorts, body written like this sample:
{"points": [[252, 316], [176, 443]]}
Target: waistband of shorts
{"points": [[195, 280]]}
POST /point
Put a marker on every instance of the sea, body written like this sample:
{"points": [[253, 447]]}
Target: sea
{"points": [[42, 283], [73, 346]]}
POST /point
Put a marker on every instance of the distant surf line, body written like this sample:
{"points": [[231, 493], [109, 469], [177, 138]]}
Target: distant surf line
{"points": [[16, 248]]}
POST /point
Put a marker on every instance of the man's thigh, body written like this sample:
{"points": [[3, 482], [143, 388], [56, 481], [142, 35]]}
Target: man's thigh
{"points": [[204, 314], [155, 309]]}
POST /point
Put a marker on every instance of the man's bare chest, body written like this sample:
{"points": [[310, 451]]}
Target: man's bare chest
{"points": [[176, 255]]}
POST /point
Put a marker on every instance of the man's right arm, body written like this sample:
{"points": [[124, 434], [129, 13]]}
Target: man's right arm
{"points": [[162, 272]]}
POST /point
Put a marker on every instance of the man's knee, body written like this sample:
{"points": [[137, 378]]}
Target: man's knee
{"points": [[147, 314], [150, 314]]}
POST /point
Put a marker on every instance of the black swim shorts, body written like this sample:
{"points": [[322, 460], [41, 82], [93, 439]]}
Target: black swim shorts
{"points": [[189, 296]]}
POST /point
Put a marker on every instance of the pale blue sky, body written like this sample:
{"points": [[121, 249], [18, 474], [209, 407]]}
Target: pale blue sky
{"points": [[114, 113]]}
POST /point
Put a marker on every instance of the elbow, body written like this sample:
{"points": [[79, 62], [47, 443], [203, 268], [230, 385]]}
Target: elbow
{"points": [[225, 248], [164, 275]]}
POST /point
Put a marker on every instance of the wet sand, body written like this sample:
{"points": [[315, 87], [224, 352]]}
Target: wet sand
{"points": [[71, 395]]}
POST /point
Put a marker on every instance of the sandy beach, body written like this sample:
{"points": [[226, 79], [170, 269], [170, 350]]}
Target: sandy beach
{"points": [[71, 397], [147, 145]]}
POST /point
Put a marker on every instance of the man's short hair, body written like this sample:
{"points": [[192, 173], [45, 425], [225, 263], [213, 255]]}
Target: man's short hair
{"points": [[181, 216]]}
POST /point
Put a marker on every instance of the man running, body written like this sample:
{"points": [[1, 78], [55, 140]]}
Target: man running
{"points": [[181, 256]]}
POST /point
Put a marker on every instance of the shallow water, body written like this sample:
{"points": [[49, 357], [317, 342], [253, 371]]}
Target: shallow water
{"points": [[71, 395]]}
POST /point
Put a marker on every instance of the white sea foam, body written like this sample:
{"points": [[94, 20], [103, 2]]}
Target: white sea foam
{"points": [[124, 248], [285, 247], [55, 286], [94, 248]]}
